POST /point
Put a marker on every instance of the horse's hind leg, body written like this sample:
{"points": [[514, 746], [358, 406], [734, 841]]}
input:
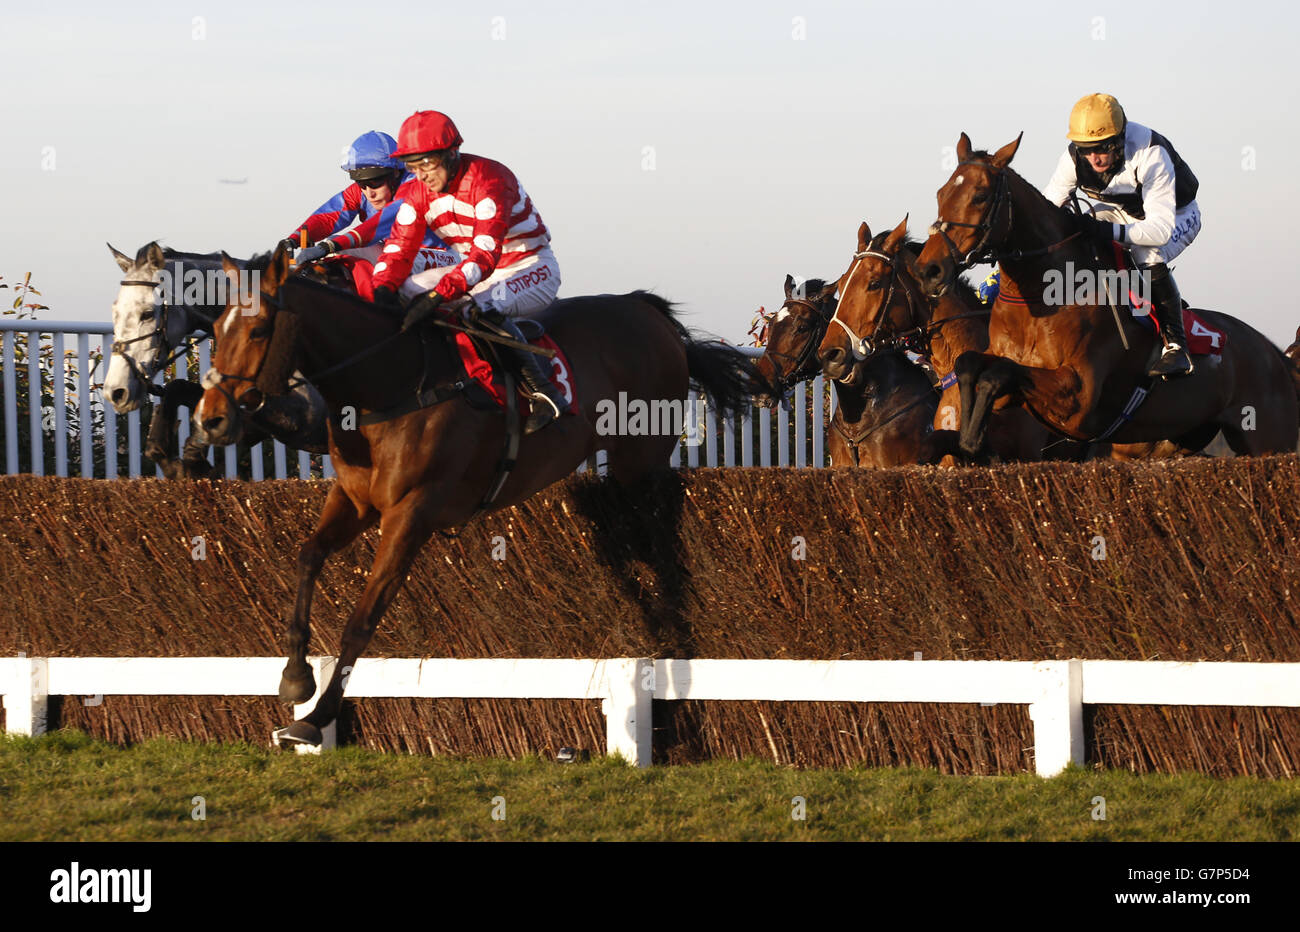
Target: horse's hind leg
{"points": [[339, 524], [404, 528]]}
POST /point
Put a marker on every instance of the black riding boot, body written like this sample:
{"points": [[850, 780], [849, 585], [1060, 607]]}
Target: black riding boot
{"points": [[1175, 360], [534, 370]]}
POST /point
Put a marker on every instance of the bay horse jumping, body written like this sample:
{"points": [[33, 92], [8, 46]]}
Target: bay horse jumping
{"points": [[414, 469], [882, 307], [152, 326], [1068, 362], [883, 419]]}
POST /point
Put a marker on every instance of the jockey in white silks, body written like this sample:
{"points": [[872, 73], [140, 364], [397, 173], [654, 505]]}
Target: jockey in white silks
{"points": [[1135, 171]]}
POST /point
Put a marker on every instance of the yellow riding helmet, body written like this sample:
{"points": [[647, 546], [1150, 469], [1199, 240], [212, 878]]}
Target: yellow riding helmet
{"points": [[1096, 118]]}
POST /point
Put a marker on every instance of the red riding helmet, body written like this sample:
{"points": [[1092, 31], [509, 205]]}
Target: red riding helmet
{"points": [[426, 131]]}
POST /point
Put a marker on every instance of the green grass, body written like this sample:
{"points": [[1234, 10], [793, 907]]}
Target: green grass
{"points": [[67, 786]]}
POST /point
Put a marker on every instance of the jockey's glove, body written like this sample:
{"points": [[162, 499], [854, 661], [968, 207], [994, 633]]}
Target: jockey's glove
{"points": [[385, 297], [289, 243], [1100, 232], [421, 309], [315, 253]]}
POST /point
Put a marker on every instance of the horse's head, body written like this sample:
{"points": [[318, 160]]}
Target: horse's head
{"points": [[875, 304], [140, 328], [256, 347], [974, 215], [1293, 351], [790, 336]]}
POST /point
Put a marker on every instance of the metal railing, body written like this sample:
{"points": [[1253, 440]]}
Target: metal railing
{"points": [[70, 430]]}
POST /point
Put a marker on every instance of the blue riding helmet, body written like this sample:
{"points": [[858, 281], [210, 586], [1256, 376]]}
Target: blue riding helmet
{"points": [[371, 156]]}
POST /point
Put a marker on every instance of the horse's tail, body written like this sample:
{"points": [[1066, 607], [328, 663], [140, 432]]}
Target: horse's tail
{"points": [[726, 375]]}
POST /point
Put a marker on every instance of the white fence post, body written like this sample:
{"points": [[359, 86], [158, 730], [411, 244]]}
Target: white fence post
{"points": [[627, 708], [323, 668], [26, 695], [1058, 717]]}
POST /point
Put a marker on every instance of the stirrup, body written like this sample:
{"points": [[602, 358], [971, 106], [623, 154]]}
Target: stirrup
{"points": [[541, 414], [1171, 363]]}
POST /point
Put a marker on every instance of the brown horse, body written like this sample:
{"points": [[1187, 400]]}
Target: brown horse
{"points": [[883, 419], [882, 306], [420, 469], [1067, 362]]}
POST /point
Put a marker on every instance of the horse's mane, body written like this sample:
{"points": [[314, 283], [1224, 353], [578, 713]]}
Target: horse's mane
{"points": [[181, 255]]}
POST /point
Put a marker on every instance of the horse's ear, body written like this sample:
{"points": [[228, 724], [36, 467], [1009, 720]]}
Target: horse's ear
{"points": [[232, 271], [278, 268], [829, 289], [789, 286], [864, 236], [1003, 156], [123, 260], [895, 238], [963, 148], [151, 255]]}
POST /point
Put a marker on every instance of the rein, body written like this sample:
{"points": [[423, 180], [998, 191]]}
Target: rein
{"points": [[159, 336], [982, 251], [864, 347]]}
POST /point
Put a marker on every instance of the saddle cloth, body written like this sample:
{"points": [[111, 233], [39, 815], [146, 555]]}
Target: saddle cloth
{"points": [[481, 371], [1202, 339]]}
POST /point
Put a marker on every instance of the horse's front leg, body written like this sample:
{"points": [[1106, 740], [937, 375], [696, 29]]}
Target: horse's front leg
{"points": [[969, 368], [998, 378], [404, 529], [340, 523], [162, 426]]}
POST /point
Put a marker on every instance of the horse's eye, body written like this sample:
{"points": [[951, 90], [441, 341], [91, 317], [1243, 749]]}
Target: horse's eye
{"points": [[803, 327], [980, 198], [259, 332], [148, 313], [876, 285]]}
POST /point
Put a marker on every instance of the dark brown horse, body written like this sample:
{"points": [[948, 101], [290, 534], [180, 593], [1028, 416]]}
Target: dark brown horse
{"points": [[433, 467], [882, 306], [1067, 362], [883, 419]]}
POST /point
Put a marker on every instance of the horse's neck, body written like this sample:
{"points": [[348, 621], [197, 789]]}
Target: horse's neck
{"points": [[334, 333], [962, 334], [1037, 224]]}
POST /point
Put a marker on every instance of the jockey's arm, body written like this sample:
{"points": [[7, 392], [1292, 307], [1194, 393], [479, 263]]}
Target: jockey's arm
{"points": [[493, 201], [1156, 173], [334, 215], [1063, 182], [400, 249]]}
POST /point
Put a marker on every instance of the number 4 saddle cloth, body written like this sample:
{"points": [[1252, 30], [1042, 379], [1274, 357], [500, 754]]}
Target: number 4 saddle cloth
{"points": [[1202, 339]]}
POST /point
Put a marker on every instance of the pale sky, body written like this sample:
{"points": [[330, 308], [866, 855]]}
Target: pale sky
{"points": [[767, 149]]}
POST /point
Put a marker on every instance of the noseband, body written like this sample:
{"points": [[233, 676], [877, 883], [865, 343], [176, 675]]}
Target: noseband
{"points": [[865, 347], [158, 336], [782, 381], [274, 303]]}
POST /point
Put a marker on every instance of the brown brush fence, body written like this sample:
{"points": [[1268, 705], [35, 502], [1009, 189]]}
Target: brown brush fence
{"points": [[1201, 563]]}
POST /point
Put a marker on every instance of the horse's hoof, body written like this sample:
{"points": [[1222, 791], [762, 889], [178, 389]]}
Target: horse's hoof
{"points": [[299, 732], [295, 691]]}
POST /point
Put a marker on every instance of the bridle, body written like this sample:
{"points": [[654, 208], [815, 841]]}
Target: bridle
{"points": [[158, 337], [865, 347], [782, 381], [981, 250], [272, 301]]}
